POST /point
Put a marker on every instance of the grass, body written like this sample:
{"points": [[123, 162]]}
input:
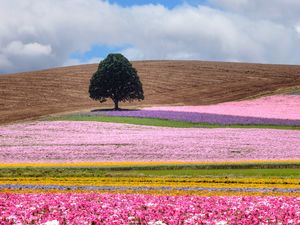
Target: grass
{"points": [[107, 172], [163, 122], [219, 173], [128, 120]]}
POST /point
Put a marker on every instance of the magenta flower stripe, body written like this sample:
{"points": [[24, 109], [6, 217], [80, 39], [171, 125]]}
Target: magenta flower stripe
{"points": [[113, 209]]}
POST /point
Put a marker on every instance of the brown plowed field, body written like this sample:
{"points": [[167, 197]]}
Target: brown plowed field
{"points": [[34, 94]]}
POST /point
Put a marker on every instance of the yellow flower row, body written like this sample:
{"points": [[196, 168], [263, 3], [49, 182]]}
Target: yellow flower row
{"points": [[157, 192], [158, 182], [113, 164]]}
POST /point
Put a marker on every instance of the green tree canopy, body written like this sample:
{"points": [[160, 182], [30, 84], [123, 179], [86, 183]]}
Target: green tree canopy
{"points": [[116, 79]]}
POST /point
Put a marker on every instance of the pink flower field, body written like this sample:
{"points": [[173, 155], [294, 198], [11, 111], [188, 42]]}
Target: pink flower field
{"points": [[116, 209], [275, 107], [272, 110], [70, 141], [73, 141]]}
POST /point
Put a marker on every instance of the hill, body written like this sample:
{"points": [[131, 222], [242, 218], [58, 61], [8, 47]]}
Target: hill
{"points": [[33, 94]]}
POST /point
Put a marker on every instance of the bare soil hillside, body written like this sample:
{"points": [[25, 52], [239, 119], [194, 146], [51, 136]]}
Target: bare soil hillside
{"points": [[34, 94]]}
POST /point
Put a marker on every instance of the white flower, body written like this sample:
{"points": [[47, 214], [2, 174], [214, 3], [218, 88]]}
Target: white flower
{"points": [[222, 222], [52, 222], [157, 223], [12, 217], [150, 204]]}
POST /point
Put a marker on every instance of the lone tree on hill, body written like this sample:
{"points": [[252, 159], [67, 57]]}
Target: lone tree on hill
{"points": [[116, 79]]}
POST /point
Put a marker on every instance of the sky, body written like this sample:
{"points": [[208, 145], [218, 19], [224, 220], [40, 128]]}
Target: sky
{"points": [[37, 34]]}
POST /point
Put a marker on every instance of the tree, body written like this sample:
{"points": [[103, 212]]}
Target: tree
{"points": [[116, 79]]}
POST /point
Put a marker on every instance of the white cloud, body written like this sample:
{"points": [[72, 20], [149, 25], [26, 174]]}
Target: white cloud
{"points": [[298, 29], [43, 34], [281, 11], [30, 49]]}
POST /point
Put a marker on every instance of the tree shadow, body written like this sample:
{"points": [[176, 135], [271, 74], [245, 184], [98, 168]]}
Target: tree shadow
{"points": [[119, 110]]}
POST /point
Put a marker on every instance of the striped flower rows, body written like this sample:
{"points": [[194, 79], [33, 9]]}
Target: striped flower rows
{"points": [[161, 200]]}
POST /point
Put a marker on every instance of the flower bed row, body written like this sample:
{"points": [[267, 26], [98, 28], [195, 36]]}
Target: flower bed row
{"points": [[171, 192], [164, 182], [196, 117], [70, 141], [115, 209], [174, 164], [155, 189], [272, 107], [272, 110]]}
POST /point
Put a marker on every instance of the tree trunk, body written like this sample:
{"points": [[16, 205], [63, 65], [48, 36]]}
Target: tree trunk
{"points": [[116, 105]]}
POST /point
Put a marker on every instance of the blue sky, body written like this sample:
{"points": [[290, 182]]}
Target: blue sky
{"points": [[96, 51], [54, 33]]}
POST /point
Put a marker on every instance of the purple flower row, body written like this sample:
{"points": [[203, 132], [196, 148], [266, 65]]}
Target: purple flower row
{"points": [[142, 188], [196, 117]]}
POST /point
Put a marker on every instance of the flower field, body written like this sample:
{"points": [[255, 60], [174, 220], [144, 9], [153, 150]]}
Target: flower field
{"points": [[69, 141], [195, 117], [155, 183], [146, 209], [272, 107], [272, 110], [87, 172]]}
